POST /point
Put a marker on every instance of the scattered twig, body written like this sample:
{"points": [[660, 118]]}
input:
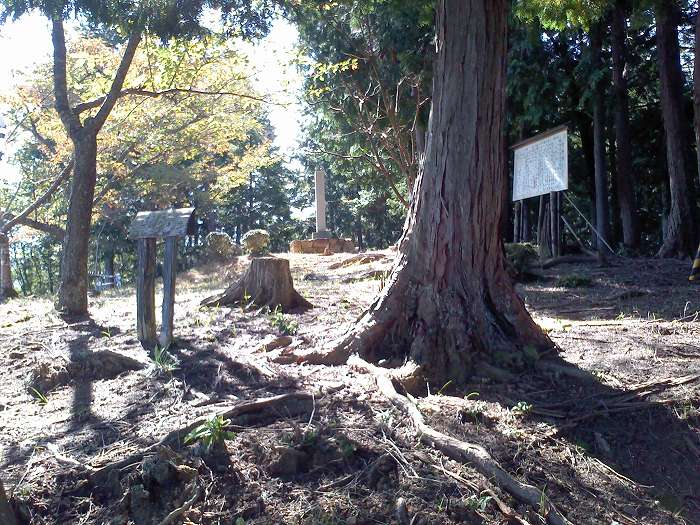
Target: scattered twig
{"points": [[174, 515]]}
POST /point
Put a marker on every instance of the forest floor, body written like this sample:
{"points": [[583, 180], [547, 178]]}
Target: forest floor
{"points": [[623, 448]]}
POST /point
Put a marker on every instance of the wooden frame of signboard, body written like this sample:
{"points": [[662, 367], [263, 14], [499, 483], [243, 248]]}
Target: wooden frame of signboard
{"points": [[146, 229], [549, 232]]}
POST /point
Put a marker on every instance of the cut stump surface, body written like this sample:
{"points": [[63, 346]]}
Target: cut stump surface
{"points": [[266, 282]]}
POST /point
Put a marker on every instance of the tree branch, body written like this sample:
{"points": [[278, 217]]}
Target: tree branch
{"points": [[55, 231], [13, 220], [116, 88], [69, 119], [84, 106]]}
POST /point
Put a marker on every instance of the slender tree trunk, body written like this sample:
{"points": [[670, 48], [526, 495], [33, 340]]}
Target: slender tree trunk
{"points": [[602, 210], [449, 302], [623, 144], [586, 131], [525, 222], [72, 292], [109, 266], [680, 230], [7, 289]]}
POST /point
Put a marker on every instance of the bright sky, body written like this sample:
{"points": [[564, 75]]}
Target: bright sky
{"points": [[27, 41]]}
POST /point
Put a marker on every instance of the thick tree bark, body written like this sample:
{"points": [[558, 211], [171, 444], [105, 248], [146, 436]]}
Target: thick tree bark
{"points": [[7, 289], [680, 230], [623, 143], [449, 302], [696, 88], [602, 212], [72, 291]]}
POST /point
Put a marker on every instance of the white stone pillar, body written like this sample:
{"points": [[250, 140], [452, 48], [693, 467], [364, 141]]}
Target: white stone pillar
{"points": [[320, 183]]}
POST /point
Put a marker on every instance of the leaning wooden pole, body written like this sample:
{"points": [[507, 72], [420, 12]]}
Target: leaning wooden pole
{"points": [[168, 308]]}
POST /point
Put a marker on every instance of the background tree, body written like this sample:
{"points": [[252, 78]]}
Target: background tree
{"points": [[123, 18], [161, 148]]}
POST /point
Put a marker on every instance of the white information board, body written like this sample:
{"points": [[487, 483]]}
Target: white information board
{"points": [[541, 165]]}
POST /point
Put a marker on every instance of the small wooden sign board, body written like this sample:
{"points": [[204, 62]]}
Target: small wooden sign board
{"points": [[146, 228]]}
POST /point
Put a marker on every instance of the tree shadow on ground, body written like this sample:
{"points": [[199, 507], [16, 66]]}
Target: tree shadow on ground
{"points": [[645, 436], [632, 287], [210, 369]]}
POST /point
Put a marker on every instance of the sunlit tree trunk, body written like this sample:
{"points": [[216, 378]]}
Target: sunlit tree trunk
{"points": [[449, 303], [7, 289], [680, 229], [623, 142]]}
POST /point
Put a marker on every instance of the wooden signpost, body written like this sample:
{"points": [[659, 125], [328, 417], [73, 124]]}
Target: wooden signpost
{"points": [[147, 227]]}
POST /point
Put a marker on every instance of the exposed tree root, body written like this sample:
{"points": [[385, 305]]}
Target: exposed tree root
{"points": [[470, 453], [361, 258], [285, 405]]}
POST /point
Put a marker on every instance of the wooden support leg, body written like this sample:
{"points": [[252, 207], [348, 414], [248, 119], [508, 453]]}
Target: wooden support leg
{"points": [[168, 309], [146, 293]]}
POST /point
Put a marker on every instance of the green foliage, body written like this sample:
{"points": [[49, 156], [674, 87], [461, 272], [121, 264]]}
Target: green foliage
{"points": [[520, 257], [211, 434], [164, 362], [574, 281], [478, 503], [282, 322], [522, 409], [38, 396]]}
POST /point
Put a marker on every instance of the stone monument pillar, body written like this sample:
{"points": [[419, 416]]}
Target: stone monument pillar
{"points": [[320, 182]]}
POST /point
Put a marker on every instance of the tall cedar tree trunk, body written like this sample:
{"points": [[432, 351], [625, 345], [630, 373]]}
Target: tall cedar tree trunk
{"points": [[7, 289], [680, 231], [696, 88], [72, 291], [623, 143], [602, 215], [449, 302]]}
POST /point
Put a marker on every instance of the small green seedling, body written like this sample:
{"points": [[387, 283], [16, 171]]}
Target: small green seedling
{"points": [[164, 361], [574, 281], [478, 503], [246, 300], [211, 433], [282, 322], [522, 408], [39, 397]]}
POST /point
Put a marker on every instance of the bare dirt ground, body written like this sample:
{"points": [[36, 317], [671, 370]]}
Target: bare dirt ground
{"points": [[620, 445]]}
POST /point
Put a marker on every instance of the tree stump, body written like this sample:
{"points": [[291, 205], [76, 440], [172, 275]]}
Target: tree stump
{"points": [[266, 282]]}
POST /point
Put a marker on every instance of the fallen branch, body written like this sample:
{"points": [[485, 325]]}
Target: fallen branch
{"points": [[568, 259], [465, 452]]}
